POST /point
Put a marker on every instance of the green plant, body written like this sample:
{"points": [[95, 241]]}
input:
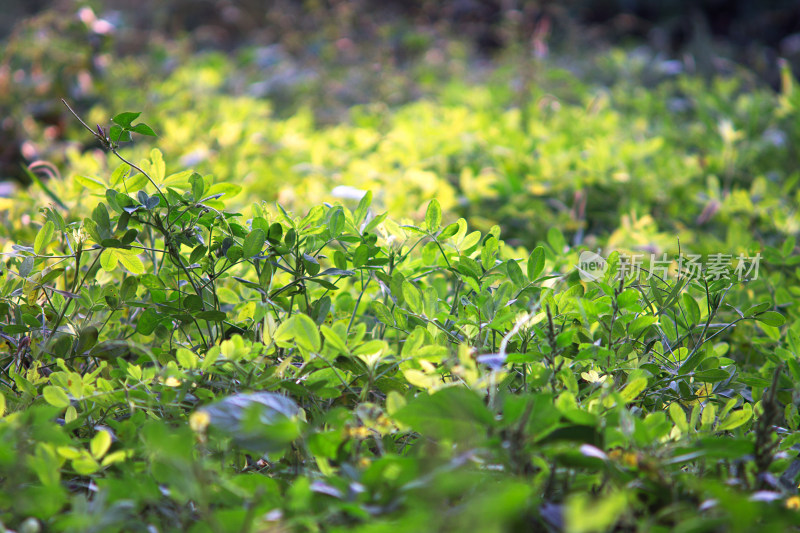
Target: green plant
{"points": [[173, 363]]}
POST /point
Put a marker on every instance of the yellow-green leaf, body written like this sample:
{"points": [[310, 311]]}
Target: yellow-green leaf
{"points": [[108, 260], [55, 396], [91, 183], [678, 416], [100, 444], [85, 465], [412, 296], [633, 389], [708, 416], [433, 216], [44, 237], [115, 457], [130, 261], [736, 418]]}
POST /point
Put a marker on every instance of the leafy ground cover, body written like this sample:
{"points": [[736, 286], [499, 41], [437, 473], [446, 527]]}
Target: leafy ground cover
{"points": [[261, 321]]}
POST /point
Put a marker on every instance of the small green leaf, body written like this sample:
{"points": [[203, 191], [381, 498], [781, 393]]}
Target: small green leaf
{"points": [[186, 358], [302, 330], [198, 186], [90, 183], [119, 174], [100, 444], [433, 216], [383, 313], [736, 418], [55, 396], [333, 339], [234, 253], [515, 273], [143, 129], [712, 375], [336, 223], [253, 243], [488, 252], [633, 389], [454, 413], [43, 238], [691, 308], [360, 256], [147, 322], [535, 263], [641, 323], [125, 119], [771, 318], [363, 207], [412, 297], [85, 465], [108, 260], [130, 260], [212, 315]]}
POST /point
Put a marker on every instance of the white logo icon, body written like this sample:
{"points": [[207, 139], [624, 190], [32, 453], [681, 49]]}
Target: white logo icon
{"points": [[591, 266]]}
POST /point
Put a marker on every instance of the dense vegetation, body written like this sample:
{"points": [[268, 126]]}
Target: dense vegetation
{"points": [[227, 315]]}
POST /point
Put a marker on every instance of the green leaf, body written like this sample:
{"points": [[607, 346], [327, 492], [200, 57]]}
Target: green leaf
{"points": [[212, 315], [433, 216], [198, 187], [363, 207], [85, 465], [125, 119], [585, 514], [234, 253], [449, 231], [691, 307], [333, 339], [253, 243], [469, 267], [360, 256], [129, 260], [147, 322], [186, 358], [627, 298], [143, 129], [108, 259], [87, 339], [711, 375], [383, 313], [771, 318], [55, 396], [413, 297], [119, 174], [90, 183], [736, 418], [336, 223], [488, 252], [758, 308], [300, 329], [641, 323], [535, 263], [43, 237], [454, 413], [100, 444], [633, 389], [515, 273]]}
